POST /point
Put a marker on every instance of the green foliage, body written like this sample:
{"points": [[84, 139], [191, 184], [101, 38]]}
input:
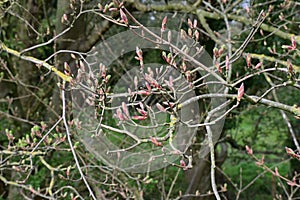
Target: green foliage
{"points": [[245, 171]]}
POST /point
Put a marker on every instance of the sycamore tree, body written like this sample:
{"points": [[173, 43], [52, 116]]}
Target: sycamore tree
{"points": [[149, 99]]}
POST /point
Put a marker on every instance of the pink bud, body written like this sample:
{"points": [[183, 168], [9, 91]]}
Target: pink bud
{"points": [[139, 53], [120, 115], [291, 183], [9, 134], [195, 23], [248, 60], [276, 171], [139, 118], [188, 75], [281, 16], [66, 66], [164, 23], [142, 112], [65, 17], [183, 165], [270, 9], [164, 55], [182, 34], [73, 56], [258, 65], [183, 66], [247, 10], [190, 32], [68, 171], [249, 150], [123, 16], [141, 105], [261, 32], [100, 7], [190, 23], [261, 162], [67, 69], [43, 125], [216, 52], [240, 92], [112, 9], [143, 92], [169, 36], [221, 51], [219, 67], [28, 140], [125, 109], [160, 107], [130, 92], [170, 104], [227, 63], [293, 42], [148, 87], [170, 82], [289, 151], [135, 81], [290, 67], [81, 65], [155, 142], [102, 70], [287, 47], [197, 35]]}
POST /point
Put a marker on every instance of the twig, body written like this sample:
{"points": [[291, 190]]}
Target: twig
{"points": [[71, 144]]}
